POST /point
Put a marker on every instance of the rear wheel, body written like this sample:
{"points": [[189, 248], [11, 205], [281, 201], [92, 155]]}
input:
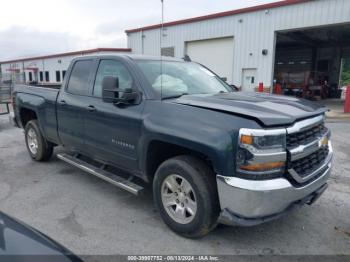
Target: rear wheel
{"points": [[185, 194], [39, 149]]}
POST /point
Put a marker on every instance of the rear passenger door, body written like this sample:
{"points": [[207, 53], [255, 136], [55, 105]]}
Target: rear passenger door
{"points": [[71, 104]]}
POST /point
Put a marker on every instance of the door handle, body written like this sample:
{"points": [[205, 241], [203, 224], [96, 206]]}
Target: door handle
{"points": [[62, 102], [91, 108]]}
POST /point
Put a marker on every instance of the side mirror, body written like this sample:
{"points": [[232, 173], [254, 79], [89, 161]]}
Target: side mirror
{"points": [[223, 79], [109, 86], [111, 93]]}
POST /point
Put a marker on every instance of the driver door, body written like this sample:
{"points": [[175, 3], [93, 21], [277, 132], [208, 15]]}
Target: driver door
{"points": [[112, 132]]}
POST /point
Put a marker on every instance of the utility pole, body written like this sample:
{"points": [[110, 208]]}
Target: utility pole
{"points": [[160, 45]]}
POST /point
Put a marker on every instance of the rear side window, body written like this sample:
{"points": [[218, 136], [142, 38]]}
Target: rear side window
{"points": [[79, 80]]}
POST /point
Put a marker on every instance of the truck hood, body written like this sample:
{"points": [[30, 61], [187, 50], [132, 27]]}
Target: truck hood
{"points": [[267, 109]]}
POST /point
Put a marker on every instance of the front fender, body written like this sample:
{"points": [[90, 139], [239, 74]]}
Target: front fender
{"points": [[214, 143]]}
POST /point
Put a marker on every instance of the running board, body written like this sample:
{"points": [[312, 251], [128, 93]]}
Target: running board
{"points": [[114, 179]]}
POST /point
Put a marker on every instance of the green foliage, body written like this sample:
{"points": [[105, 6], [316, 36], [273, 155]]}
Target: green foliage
{"points": [[345, 76]]}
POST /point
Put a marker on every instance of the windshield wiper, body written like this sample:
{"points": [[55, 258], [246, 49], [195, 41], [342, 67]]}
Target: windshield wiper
{"points": [[174, 96]]}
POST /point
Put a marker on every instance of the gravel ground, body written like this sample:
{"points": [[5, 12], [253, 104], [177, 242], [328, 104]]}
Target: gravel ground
{"points": [[90, 216]]}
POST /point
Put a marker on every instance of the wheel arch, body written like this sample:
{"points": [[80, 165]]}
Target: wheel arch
{"points": [[159, 151], [27, 115]]}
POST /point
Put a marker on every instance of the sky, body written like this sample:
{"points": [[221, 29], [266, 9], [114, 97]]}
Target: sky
{"points": [[41, 27]]}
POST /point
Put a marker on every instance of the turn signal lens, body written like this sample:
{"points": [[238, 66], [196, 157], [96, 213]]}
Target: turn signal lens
{"points": [[246, 139], [262, 166]]}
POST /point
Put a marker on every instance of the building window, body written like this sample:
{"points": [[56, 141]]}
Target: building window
{"points": [[47, 76], [41, 76], [30, 76], [63, 74], [58, 76], [168, 51]]}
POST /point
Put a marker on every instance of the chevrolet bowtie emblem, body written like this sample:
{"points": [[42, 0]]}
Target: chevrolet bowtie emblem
{"points": [[323, 142]]}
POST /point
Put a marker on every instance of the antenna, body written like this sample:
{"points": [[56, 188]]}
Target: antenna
{"points": [[161, 57]]}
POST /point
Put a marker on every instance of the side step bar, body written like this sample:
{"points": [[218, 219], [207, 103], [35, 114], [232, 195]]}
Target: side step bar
{"points": [[112, 178]]}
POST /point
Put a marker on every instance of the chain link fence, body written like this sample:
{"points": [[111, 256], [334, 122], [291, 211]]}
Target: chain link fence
{"points": [[7, 82]]}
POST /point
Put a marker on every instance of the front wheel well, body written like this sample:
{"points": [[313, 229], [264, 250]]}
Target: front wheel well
{"points": [[159, 151], [26, 115]]}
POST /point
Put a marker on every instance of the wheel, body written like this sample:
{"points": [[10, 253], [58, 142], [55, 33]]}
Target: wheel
{"points": [[38, 148], [185, 193]]}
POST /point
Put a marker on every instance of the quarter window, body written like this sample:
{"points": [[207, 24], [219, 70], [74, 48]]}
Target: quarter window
{"points": [[112, 68], [79, 80]]}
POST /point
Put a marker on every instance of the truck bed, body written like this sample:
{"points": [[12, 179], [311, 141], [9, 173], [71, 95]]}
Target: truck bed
{"points": [[42, 101]]}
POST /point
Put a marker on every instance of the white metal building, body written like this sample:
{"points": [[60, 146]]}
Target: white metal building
{"points": [[49, 69], [287, 39]]}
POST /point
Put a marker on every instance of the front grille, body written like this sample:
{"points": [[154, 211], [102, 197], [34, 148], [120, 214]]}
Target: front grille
{"points": [[306, 136], [305, 166]]}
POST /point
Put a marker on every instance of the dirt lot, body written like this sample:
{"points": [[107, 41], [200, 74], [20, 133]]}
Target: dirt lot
{"points": [[90, 216]]}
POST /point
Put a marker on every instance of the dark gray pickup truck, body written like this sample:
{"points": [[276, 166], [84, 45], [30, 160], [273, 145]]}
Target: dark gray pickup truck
{"points": [[212, 155]]}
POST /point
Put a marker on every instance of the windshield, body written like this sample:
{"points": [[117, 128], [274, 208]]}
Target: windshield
{"points": [[172, 78]]}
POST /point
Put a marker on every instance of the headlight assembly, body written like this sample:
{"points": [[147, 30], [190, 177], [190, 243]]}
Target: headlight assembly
{"points": [[261, 153]]}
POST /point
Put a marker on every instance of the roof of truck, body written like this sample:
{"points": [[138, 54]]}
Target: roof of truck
{"points": [[149, 57], [134, 57]]}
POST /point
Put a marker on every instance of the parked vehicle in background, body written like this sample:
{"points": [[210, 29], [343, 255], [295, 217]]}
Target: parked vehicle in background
{"points": [[20, 242], [212, 155]]}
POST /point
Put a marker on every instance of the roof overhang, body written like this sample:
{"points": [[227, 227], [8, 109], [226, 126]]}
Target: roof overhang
{"points": [[221, 14], [82, 52]]}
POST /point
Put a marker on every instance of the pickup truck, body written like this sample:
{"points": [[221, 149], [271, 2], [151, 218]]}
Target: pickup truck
{"points": [[211, 154]]}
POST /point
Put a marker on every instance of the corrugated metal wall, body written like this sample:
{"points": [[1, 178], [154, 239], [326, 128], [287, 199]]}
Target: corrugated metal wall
{"points": [[51, 65], [252, 33]]}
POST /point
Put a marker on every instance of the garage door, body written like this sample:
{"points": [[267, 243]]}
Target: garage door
{"points": [[216, 54]]}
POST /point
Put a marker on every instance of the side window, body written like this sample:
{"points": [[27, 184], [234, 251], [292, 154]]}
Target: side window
{"points": [[112, 68], [79, 79]]}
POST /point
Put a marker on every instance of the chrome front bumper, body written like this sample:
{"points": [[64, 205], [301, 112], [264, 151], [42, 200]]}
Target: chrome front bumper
{"points": [[251, 202]]}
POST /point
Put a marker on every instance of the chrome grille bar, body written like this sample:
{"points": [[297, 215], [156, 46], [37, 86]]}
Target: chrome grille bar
{"points": [[307, 144], [305, 124]]}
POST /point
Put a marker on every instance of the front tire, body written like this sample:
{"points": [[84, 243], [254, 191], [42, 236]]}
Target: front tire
{"points": [[39, 149], [185, 193]]}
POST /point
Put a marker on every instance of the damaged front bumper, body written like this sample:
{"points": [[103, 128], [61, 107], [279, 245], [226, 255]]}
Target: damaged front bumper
{"points": [[249, 202]]}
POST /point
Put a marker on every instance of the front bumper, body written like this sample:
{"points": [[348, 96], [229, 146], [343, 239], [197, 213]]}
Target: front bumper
{"points": [[250, 202]]}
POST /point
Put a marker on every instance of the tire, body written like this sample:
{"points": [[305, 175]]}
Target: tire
{"points": [[39, 149], [178, 172]]}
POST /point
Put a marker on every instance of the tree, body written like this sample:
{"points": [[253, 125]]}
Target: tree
{"points": [[345, 75]]}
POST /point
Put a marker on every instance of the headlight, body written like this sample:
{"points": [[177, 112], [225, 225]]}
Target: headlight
{"points": [[257, 143], [261, 153]]}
